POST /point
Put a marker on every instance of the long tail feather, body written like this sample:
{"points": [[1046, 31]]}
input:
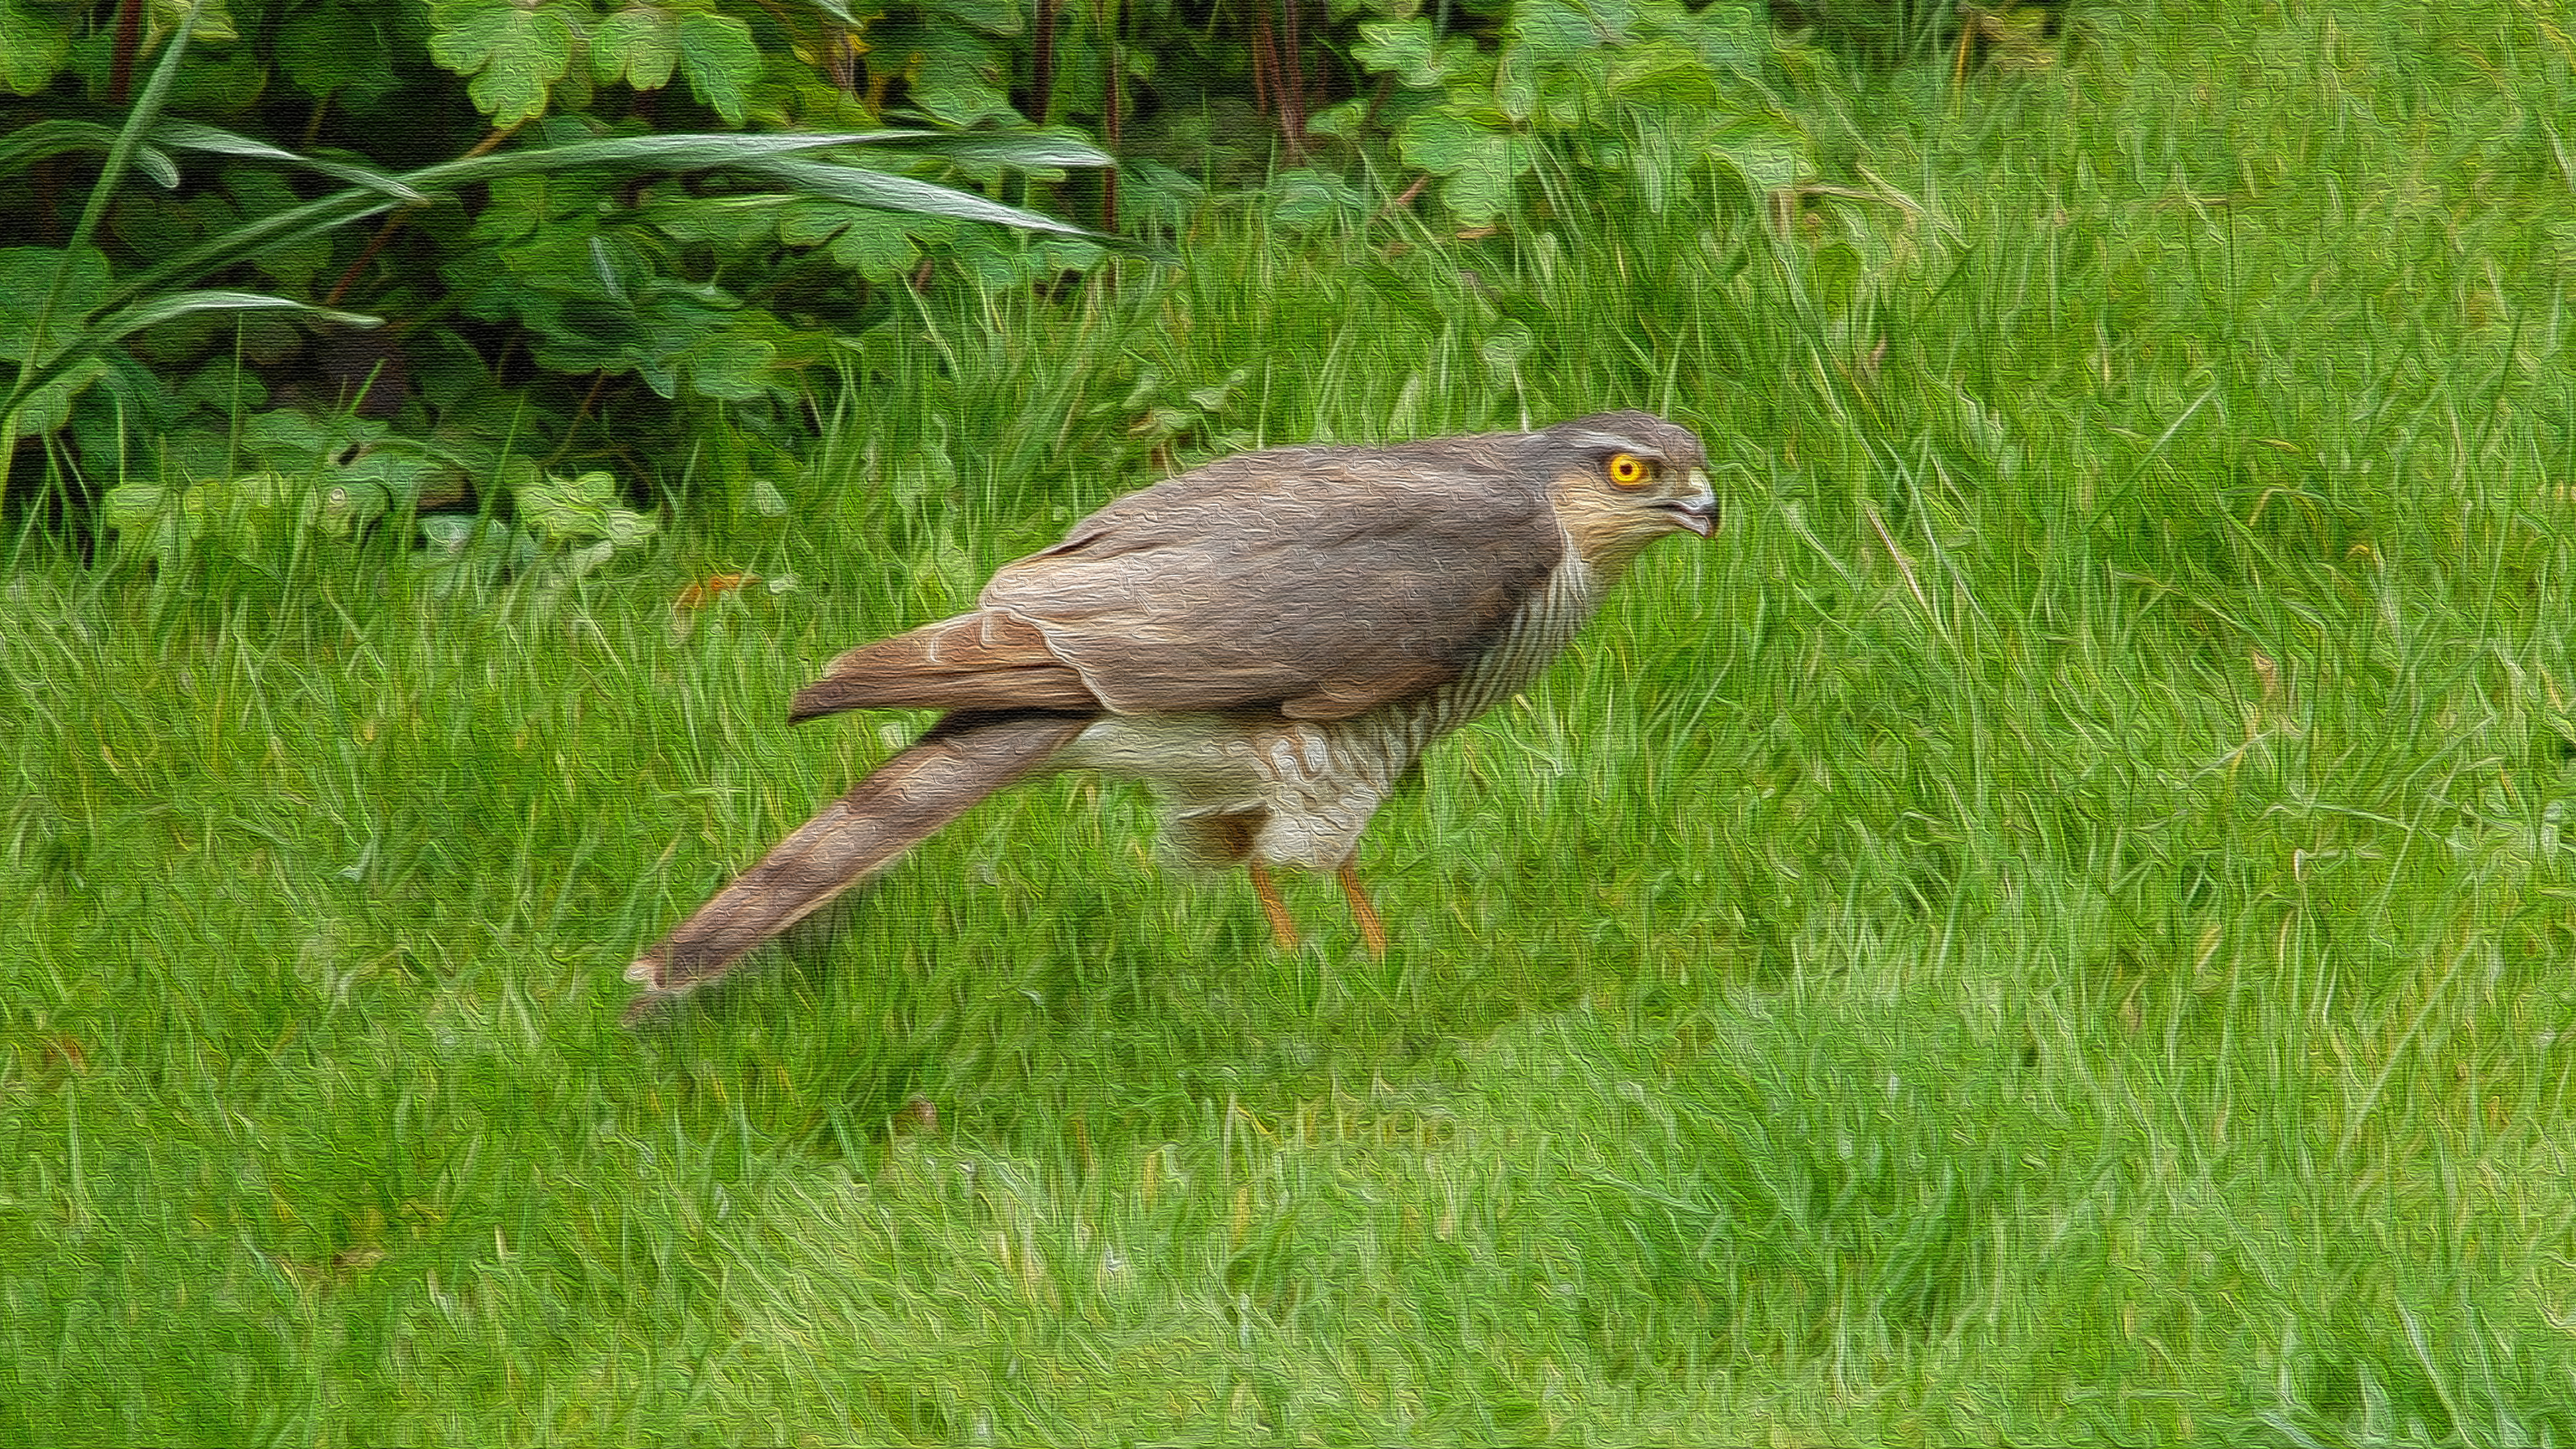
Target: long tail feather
{"points": [[902, 803]]}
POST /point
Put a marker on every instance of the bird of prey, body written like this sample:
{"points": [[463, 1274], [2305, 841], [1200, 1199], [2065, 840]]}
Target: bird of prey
{"points": [[1269, 642]]}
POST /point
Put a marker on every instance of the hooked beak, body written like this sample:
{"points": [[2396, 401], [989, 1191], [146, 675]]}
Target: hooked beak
{"points": [[1698, 511]]}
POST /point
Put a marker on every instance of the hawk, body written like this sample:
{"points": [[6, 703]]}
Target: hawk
{"points": [[1268, 642]]}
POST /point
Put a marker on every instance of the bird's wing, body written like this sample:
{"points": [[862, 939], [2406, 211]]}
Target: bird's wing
{"points": [[980, 661], [1320, 582]]}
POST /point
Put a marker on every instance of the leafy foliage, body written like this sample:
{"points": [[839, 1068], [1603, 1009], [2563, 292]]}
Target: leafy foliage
{"points": [[1640, 93], [613, 237], [1891, 33], [559, 277]]}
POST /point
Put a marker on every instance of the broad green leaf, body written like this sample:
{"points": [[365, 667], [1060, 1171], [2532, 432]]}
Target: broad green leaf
{"points": [[1478, 168], [1407, 49], [331, 49], [577, 510], [1661, 74], [33, 45], [872, 242], [286, 437], [511, 56], [640, 46], [1505, 348], [291, 266], [719, 61], [726, 221], [470, 550], [1767, 152], [959, 79], [345, 503], [392, 471], [730, 363], [217, 84], [246, 510], [1552, 32], [130, 504], [225, 386], [78, 281], [1478, 195], [146, 518], [47, 404], [1731, 35]]}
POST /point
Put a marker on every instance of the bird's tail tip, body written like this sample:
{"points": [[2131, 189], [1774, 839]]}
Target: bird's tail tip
{"points": [[654, 998]]}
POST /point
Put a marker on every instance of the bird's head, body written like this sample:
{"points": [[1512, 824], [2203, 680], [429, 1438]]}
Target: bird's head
{"points": [[1620, 481]]}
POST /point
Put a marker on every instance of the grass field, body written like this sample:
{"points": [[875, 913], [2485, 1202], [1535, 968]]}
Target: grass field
{"points": [[2059, 926]]}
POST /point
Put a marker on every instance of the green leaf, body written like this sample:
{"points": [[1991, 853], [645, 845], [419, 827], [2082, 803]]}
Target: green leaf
{"points": [[33, 46], [249, 511], [889, 192], [471, 550], [950, 72], [1552, 33], [578, 510], [218, 84], [1731, 36], [875, 244], [28, 275], [1663, 75], [1304, 199], [1023, 150], [392, 472], [640, 46], [1505, 348], [189, 136], [1766, 152], [287, 439], [512, 56], [174, 305], [46, 405], [1408, 50], [325, 50], [729, 363], [146, 519], [720, 61], [157, 164], [1478, 168], [52, 138]]}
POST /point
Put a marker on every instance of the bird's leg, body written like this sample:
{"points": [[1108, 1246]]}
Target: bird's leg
{"points": [[1282, 929], [1363, 910]]}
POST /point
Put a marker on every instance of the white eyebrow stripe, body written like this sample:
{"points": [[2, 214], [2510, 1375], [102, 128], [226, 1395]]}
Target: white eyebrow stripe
{"points": [[1615, 443]]}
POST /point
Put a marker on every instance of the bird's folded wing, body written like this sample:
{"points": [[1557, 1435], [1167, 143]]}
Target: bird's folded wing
{"points": [[981, 661], [1321, 583]]}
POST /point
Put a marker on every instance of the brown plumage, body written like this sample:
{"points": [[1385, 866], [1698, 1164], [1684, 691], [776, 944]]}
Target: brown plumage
{"points": [[1269, 641]]}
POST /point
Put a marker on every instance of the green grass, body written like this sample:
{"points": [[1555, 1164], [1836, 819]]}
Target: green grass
{"points": [[2059, 926]]}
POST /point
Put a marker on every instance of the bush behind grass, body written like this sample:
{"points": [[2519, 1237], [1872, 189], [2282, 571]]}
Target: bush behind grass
{"points": [[2056, 926]]}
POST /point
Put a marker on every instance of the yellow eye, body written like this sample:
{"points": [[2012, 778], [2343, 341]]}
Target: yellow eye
{"points": [[1629, 471]]}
